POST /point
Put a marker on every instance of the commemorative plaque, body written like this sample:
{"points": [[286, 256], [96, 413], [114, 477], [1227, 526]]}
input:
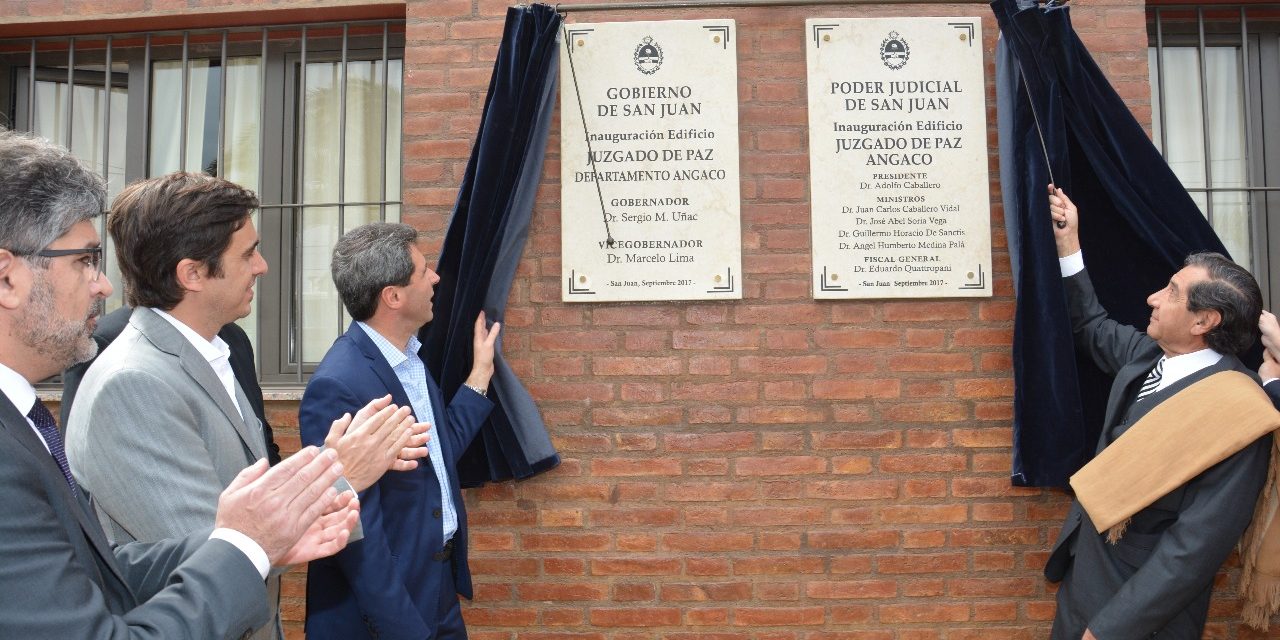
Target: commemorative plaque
{"points": [[649, 161], [898, 158]]}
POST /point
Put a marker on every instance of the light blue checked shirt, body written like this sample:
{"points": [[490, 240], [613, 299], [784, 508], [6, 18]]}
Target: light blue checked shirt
{"points": [[412, 375]]}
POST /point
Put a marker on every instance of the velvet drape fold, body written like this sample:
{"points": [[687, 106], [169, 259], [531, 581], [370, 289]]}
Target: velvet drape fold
{"points": [[1137, 224], [485, 239]]}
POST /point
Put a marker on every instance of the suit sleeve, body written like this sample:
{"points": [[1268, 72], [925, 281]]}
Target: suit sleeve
{"points": [[1273, 392], [1110, 345], [373, 574], [198, 588], [465, 415], [145, 460], [1215, 511]]}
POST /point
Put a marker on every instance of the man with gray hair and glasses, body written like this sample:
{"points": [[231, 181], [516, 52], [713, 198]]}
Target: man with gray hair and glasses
{"points": [[59, 576], [404, 578]]}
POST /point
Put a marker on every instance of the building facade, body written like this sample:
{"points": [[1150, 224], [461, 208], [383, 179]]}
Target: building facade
{"points": [[774, 468]]}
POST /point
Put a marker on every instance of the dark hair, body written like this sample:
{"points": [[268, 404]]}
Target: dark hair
{"points": [[157, 223], [44, 191], [369, 259], [1233, 293]]}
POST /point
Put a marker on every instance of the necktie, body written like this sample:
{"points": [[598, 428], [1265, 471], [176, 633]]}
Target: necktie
{"points": [[43, 420], [1153, 380]]}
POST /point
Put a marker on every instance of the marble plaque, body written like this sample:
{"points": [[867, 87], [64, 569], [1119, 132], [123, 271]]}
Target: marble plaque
{"points": [[901, 205], [649, 161]]}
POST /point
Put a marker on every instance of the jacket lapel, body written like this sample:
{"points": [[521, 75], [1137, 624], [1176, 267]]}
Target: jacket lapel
{"points": [[17, 426], [1141, 409], [166, 338]]}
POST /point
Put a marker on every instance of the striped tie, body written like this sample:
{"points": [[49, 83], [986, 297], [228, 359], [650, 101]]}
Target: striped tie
{"points": [[1152, 382]]}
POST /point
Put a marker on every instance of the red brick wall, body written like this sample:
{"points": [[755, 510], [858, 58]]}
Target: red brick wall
{"points": [[772, 468]]}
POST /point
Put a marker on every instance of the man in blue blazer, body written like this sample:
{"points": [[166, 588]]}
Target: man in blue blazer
{"points": [[403, 579]]}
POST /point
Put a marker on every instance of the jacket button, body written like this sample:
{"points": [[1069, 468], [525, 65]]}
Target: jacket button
{"points": [[435, 513]]}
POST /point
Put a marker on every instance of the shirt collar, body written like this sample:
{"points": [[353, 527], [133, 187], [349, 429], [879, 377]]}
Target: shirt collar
{"points": [[394, 356], [212, 350], [17, 389], [1179, 367]]}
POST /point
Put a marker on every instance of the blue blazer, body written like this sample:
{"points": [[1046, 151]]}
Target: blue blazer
{"points": [[386, 585]]}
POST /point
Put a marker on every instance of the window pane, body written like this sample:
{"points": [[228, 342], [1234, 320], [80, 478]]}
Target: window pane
{"points": [[166, 116], [1185, 135], [241, 144], [1182, 114], [323, 318], [241, 148], [88, 137]]}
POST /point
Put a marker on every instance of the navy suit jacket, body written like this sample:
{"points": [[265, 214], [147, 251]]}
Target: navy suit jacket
{"points": [[60, 578], [386, 586]]}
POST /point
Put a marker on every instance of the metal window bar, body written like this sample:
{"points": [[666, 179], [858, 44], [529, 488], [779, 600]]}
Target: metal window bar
{"points": [[31, 89], [106, 144], [295, 331], [342, 151], [1204, 113], [1164, 128], [262, 163], [221, 167], [382, 157], [1244, 83], [184, 108], [71, 85]]}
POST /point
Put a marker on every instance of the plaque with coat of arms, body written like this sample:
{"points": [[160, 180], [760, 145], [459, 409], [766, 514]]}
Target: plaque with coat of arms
{"points": [[901, 203], [649, 161]]}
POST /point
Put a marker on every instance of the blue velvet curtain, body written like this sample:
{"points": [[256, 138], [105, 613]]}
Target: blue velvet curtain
{"points": [[485, 239], [1137, 224]]}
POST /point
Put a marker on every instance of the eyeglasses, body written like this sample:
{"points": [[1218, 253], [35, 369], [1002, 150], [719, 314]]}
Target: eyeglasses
{"points": [[93, 256]]}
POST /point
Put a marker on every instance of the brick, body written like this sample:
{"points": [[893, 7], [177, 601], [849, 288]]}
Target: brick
{"points": [[779, 465], [636, 416], [635, 617], [771, 616], [920, 463], [922, 612], [861, 489], [857, 440], [693, 442], [856, 339], [927, 311], [709, 492], [551, 591], [706, 591], [707, 542], [557, 542], [783, 365], [633, 517], [851, 589], [635, 366], [634, 592], [917, 563], [924, 514], [635, 567], [866, 539], [718, 340]]}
